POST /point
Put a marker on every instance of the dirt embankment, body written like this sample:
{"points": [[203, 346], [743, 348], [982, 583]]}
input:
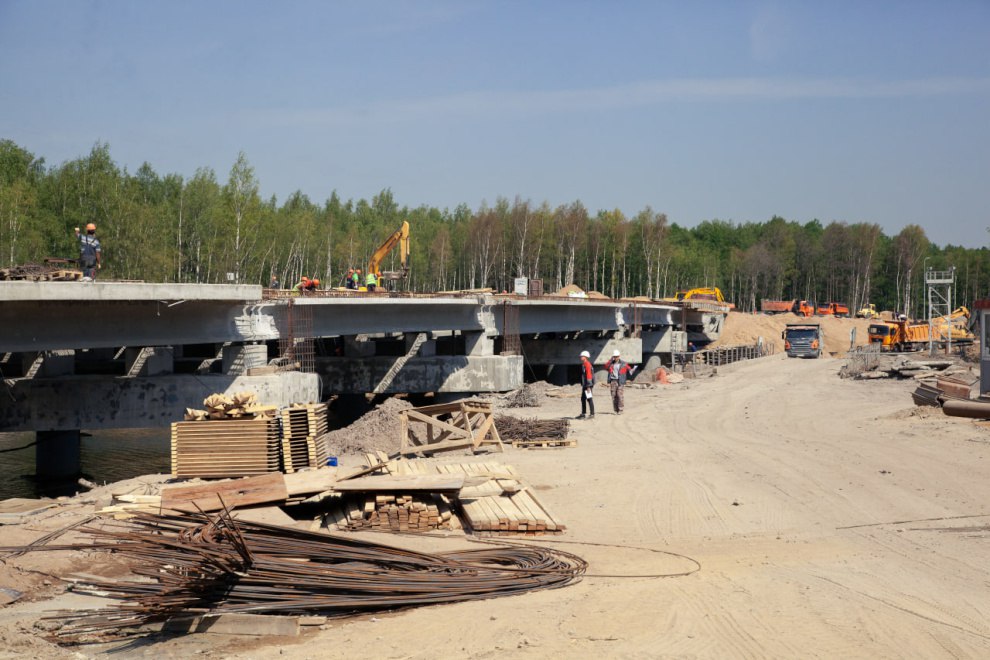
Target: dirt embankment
{"points": [[743, 328]]}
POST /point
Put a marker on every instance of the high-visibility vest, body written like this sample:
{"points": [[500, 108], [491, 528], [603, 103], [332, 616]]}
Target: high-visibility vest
{"points": [[371, 279]]}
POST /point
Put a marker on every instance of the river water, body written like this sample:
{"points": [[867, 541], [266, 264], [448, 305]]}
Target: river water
{"points": [[107, 456]]}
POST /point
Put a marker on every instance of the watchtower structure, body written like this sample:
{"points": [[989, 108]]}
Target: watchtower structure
{"points": [[939, 285]]}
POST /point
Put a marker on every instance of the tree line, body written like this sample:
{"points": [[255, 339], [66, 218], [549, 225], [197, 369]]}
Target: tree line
{"points": [[172, 228]]}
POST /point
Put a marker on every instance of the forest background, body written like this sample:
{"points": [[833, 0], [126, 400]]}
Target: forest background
{"points": [[175, 229]]}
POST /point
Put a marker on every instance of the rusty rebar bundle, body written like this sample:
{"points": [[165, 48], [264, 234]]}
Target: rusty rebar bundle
{"points": [[514, 428], [199, 563]]}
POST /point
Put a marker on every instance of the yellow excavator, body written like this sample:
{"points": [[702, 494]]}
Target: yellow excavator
{"points": [[399, 237], [700, 293]]}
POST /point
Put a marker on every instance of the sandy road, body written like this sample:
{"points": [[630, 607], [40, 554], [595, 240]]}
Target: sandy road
{"points": [[786, 484], [828, 517]]}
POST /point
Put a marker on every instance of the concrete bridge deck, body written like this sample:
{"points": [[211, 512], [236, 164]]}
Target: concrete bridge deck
{"points": [[67, 346]]}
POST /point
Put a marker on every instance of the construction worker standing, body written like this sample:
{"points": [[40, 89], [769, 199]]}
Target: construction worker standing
{"points": [[356, 279], [618, 372], [349, 280], [587, 385], [89, 251], [371, 282]]}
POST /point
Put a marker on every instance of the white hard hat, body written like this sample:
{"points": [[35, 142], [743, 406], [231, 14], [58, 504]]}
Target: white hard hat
{"points": [[616, 353], [585, 354]]}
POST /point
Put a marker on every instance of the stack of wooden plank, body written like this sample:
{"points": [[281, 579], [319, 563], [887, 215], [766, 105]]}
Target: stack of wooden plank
{"points": [[421, 512], [225, 447], [500, 504], [303, 429]]}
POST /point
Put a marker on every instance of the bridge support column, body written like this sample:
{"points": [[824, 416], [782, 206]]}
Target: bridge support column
{"points": [[149, 361], [478, 344], [56, 453], [238, 358]]}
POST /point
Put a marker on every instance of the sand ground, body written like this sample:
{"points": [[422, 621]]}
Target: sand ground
{"points": [[798, 515]]}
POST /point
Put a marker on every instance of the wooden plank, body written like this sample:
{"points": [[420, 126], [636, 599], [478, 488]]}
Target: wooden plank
{"points": [[241, 492], [461, 443], [436, 423], [310, 482], [432, 483], [235, 624]]}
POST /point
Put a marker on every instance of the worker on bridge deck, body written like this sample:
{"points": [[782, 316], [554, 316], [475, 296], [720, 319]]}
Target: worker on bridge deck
{"points": [[371, 282], [89, 251]]}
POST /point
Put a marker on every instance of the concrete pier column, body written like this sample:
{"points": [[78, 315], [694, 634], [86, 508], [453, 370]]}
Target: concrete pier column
{"points": [[149, 361], [478, 344], [238, 358], [56, 453]]}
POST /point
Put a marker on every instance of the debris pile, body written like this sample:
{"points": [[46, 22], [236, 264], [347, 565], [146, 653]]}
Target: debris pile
{"points": [[55, 271], [375, 431], [869, 365]]}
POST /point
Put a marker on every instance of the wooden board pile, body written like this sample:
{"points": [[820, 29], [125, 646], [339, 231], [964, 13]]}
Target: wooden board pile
{"points": [[225, 447], [422, 512], [233, 437], [534, 432], [303, 428], [240, 405], [500, 504]]}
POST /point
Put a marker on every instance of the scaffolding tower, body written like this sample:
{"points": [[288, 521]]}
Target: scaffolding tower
{"points": [[939, 284]]}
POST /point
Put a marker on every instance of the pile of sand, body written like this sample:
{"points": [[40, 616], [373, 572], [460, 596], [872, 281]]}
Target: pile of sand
{"points": [[745, 329], [377, 430]]}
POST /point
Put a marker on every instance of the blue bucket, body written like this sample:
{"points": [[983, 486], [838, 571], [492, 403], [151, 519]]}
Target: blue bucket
{"points": [[332, 461]]}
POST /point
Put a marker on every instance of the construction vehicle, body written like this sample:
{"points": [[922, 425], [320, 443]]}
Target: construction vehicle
{"points": [[701, 293], [803, 340], [399, 237], [799, 307], [868, 312], [839, 310], [904, 335]]}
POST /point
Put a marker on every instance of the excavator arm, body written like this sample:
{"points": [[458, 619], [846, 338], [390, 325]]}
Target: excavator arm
{"points": [[399, 237]]}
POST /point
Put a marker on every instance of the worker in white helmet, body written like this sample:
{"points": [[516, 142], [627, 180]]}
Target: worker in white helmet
{"points": [[587, 385], [618, 372]]}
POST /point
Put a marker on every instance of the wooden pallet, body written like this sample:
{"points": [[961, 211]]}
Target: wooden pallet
{"points": [[535, 443], [225, 448]]}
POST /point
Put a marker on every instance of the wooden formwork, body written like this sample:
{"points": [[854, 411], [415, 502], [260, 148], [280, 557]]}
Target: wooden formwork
{"points": [[446, 426]]}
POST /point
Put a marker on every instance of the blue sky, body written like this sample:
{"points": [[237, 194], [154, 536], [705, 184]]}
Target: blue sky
{"points": [[848, 111]]}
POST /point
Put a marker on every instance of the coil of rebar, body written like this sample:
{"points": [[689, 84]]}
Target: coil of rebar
{"points": [[210, 563]]}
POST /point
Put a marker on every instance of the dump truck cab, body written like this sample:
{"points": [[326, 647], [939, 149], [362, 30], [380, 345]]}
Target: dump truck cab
{"points": [[882, 335], [803, 340]]}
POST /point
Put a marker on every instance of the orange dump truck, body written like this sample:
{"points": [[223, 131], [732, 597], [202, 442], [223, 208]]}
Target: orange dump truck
{"points": [[799, 307], [899, 335], [833, 309]]}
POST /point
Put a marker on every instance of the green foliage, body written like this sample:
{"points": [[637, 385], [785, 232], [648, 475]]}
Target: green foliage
{"points": [[175, 229]]}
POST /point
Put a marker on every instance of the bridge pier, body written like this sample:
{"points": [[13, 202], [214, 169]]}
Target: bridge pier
{"points": [[57, 453]]}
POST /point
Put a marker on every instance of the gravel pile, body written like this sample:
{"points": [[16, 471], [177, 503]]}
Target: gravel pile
{"points": [[378, 430]]}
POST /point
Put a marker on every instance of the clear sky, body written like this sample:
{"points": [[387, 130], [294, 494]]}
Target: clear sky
{"points": [[865, 110]]}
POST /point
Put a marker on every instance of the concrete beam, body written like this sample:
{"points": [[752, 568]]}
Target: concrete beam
{"points": [[423, 374], [100, 402], [50, 325], [357, 315], [555, 351]]}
